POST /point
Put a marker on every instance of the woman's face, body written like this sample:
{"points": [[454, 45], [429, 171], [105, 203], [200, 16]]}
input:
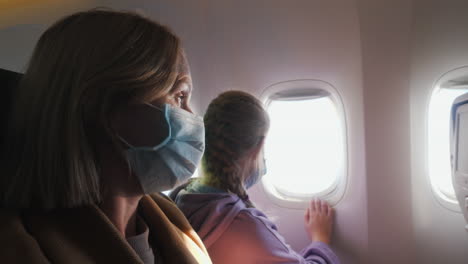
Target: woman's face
{"points": [[145, 126]]}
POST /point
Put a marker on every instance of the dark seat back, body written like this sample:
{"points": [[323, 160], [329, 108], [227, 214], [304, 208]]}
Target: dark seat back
{"points": [[8, 82]]}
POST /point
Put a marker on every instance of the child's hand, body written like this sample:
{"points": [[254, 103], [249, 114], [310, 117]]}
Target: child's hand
{"points": [[319, 221]]}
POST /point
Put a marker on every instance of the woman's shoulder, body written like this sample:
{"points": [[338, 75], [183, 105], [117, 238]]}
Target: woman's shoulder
{"points": [[151, 204], [16, 244]]}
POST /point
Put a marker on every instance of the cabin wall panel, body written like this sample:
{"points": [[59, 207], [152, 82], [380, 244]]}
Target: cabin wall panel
{"points": [[385, 37]]}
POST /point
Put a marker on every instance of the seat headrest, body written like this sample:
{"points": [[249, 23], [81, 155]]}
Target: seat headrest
{"points": [[9, 78], [8, 82]]}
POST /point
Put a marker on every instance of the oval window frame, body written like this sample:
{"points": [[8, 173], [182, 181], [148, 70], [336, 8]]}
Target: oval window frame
{"points": [[308, 89], [449, 80]]}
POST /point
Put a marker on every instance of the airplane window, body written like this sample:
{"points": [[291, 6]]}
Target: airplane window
{"points": [[462, 145], [305, 147], [439, 140]]}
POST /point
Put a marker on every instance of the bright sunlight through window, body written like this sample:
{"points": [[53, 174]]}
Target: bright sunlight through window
{"points": [[304, 149], [439, 140]]}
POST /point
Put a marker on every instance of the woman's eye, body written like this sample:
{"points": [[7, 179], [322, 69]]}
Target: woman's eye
{"points": [[180, 98]]}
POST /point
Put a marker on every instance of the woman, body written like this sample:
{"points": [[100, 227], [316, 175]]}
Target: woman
{"points": [[101, 120], [217, 205]]}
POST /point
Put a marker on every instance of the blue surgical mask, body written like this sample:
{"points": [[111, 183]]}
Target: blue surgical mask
{"points": [[174, 160], [258, 172]]}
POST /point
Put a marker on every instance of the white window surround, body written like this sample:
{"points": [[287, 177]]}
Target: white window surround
{"points": [[456, 79], [303, 90]]}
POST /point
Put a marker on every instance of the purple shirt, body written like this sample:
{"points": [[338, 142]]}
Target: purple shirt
{"points": [[235, 234]]}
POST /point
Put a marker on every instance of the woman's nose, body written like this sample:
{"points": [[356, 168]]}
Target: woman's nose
{"points": [[187, 108]]}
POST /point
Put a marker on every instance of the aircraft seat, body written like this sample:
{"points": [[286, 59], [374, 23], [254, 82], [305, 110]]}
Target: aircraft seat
{"points": [[8, 81]]}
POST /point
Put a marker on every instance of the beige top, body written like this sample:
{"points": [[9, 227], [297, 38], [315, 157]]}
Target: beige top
{"points": [[140, 243]]}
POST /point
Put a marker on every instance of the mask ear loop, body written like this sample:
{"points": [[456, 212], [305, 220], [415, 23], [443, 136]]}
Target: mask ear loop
{"points": [[125, 142], [165, 110]]}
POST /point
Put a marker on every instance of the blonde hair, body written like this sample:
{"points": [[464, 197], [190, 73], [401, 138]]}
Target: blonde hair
{"points": [[235, 124], [84, 68]]}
